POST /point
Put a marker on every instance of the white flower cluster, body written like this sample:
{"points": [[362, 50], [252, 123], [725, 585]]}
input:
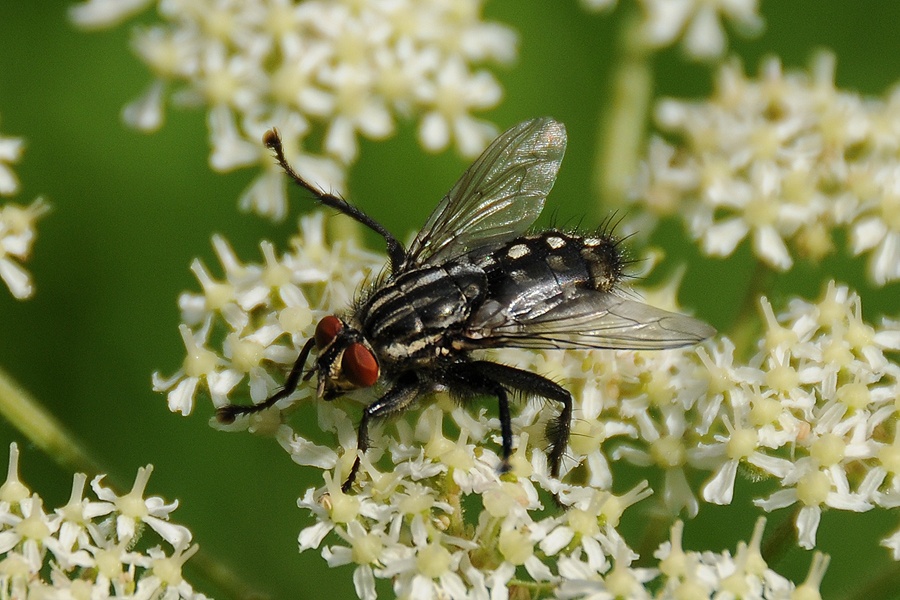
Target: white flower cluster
{"points": [[86, 549], [316, 70], [260, 314], [17, 232], [819, 411], [431, 513], [785, 160], [696, 575], [815, 408], [698, 24]]}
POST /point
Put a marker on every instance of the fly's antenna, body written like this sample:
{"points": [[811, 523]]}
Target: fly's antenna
{"points": [[272, 140]]}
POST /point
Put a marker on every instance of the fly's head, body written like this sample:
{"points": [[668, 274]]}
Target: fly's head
{"points": [[345, 362]]}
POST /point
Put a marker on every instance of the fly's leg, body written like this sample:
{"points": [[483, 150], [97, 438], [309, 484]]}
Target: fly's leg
{"points": [[532, 384], [227, 414], [272, 140], [465, 379], [398, 398]]}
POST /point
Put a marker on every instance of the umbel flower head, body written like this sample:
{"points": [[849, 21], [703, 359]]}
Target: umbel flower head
{"points": [[89, 547], [430, 511], [784, 160], [334, 70]]}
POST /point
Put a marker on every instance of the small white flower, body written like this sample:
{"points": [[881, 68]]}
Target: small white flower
{"points": [[133, 508]]}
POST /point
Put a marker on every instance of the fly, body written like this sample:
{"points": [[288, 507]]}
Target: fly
{"points": [[473, 279]]}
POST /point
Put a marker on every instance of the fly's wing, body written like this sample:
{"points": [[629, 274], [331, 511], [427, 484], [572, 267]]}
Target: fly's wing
{"points": [[585, 319], [498, 197]]}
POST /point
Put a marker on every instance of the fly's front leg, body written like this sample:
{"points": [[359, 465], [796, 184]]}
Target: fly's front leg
{"points": [[272, 140], [532, 384], [227, 414], [398, 398]]}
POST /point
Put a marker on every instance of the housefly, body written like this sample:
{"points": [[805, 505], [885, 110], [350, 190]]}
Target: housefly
{"points": [[473, 279]]}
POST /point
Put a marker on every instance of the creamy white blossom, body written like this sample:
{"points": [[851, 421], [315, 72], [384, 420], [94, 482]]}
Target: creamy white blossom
{"points": [[782, 160], [86, 549], [317, 70]]}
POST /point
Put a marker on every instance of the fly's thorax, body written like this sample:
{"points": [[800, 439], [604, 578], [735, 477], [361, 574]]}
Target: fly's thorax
{"points": [[410, 321]]}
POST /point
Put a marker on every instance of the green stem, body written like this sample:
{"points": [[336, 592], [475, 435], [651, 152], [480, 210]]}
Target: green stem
{"points": [[782, 539], [624, 123], [539, 587], [659, 523], [884, 586], [45, 431], [745, 331], [453, 496]]}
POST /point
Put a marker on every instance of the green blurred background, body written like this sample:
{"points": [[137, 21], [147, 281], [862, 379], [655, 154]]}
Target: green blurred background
{"points": [[132, 210]]}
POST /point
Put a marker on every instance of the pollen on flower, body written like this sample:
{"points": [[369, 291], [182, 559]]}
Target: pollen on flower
{"points": [[13, 490], [343, 508], [433, 560], [830, 449], [245, 354], [889, 456], [855, 395], [583, 522], [199, 361], [34, 527], [367, 549], [742, 443], [132, 504], [813, 488], [417, 501], [295, 319], [168, 568], [587, 435], [668, 451], [764, 410], [515, 546], [500, 501], [782, 378], [267, 311]]}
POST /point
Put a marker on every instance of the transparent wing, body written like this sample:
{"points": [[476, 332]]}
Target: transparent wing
{"points": [[498, 197], [586, 319]]}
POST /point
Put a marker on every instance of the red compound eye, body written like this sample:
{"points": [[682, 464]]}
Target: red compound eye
{"points": [[359, 365], [327, 330]]}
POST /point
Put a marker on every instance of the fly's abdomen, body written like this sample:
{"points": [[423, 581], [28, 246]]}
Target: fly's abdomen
{"points": [[408, 322], [543, 268]]}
